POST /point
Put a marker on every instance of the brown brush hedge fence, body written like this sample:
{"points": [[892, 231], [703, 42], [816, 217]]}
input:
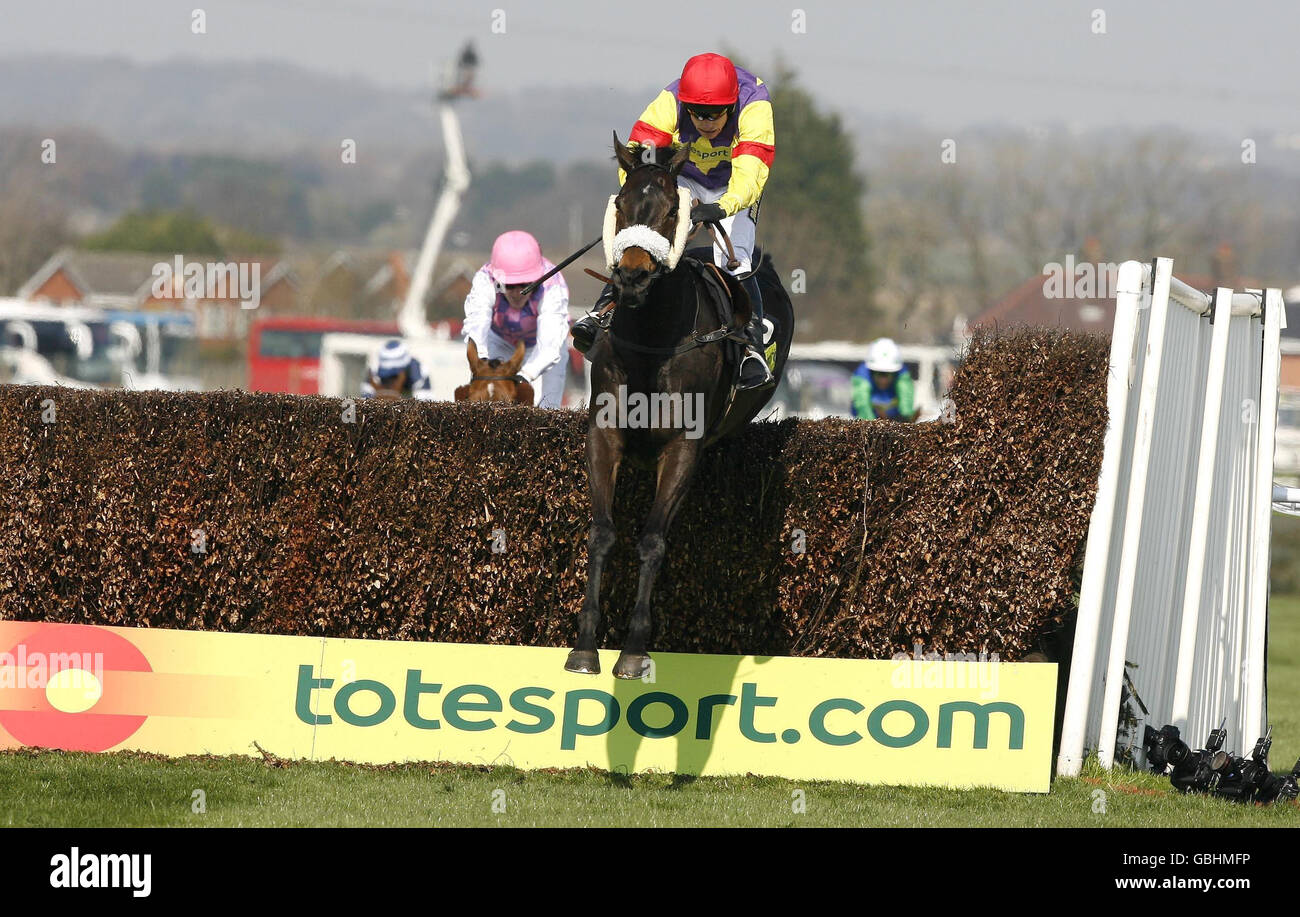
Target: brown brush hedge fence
{"points": [[262, 513]]}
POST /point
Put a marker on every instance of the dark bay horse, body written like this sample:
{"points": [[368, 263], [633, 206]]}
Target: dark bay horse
{"points": [[651, 355]]}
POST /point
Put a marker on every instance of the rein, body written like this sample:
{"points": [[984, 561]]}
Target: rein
{"points": [[528, 290], [715, 230]]}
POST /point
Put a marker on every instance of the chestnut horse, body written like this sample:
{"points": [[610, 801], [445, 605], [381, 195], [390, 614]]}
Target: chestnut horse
{"points": [[664, 345], [494, 380]]}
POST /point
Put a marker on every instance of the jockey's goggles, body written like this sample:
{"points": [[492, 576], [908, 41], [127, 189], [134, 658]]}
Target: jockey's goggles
{"points": [[708, 114]]}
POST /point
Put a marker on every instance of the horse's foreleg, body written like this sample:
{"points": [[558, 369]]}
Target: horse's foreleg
{"points": [[604, 453], [676, 465]]}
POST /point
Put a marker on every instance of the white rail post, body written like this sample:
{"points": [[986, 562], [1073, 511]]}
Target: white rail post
{"points": [[1201, 508], [1155, 345], [1257, 608], [1083, 663]]}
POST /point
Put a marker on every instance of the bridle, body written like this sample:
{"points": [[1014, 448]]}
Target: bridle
{"points": [[478, 378], [714, 228], [676, 247], [664, 252]]}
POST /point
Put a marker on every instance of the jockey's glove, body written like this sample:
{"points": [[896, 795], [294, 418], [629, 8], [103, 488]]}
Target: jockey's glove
{"points": [[707, 213]]}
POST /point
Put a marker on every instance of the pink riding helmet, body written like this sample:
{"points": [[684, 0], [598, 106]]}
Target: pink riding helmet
{"points": [[516, 258]]}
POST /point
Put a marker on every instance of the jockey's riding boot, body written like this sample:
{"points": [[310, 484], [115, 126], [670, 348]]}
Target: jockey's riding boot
{"points": [[586, 328], [754, 372]]}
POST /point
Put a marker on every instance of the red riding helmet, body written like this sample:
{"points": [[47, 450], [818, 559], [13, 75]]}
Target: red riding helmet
{"points": [[708, 79]]}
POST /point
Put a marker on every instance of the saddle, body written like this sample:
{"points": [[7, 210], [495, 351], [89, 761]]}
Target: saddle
{"points": [[722, 295], [725, 295]]}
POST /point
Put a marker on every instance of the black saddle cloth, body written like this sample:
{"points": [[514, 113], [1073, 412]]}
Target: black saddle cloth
{"points": [[722, 291]]}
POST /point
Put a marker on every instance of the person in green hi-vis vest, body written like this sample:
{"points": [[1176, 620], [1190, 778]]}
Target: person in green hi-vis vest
{"points": [[882, 386]]}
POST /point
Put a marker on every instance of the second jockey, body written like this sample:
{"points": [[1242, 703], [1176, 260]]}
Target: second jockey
{"points": [[723, 112], [498, 315], [882, 386], [394, 373]]}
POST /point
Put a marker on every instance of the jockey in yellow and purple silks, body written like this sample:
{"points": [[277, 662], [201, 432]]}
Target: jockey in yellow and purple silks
{"points": [[724, 113]]}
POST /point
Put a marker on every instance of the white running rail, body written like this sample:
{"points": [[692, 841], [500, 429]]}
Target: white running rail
{"points": [[1174, 598]]}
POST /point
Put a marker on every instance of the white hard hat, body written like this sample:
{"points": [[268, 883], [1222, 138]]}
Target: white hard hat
{"points": [[883, 357]]}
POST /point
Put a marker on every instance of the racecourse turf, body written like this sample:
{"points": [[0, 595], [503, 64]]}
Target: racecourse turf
{"points": [[50, 788]]}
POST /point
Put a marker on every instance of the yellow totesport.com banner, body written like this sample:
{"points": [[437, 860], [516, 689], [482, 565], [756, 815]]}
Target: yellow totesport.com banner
{"points": [[945, 723]]}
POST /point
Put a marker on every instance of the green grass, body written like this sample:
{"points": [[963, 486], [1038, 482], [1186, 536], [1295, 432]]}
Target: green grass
{"points": [[124, 789], [1283, 680]]}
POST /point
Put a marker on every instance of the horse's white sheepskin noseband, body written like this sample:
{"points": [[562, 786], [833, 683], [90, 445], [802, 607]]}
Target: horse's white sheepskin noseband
{"points": [[641, 236]]}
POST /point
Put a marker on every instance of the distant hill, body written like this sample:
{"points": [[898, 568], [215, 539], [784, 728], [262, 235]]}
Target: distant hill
{"points": [[264, 108]]}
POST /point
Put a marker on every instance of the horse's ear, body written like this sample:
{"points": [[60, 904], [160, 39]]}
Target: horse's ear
{"points": [[516, 360], [471, 352], [680, 158], [627, 160]]}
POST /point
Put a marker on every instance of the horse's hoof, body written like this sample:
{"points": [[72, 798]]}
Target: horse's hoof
{"points": [[631, 665], [584, 662]]}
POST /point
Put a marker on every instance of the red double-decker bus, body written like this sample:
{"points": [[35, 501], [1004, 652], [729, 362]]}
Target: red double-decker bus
{"points": [[284, 352]]}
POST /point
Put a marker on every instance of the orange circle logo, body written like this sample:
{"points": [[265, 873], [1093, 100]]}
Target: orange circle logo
{"points": [[74, 665]]}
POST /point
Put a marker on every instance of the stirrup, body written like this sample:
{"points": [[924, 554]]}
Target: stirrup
{"points": [[766, 380], [586, 329], [601, 321]]}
